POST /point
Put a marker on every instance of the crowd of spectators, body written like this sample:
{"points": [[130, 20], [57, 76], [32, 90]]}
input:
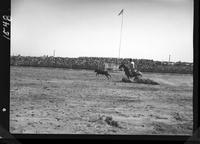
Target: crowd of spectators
{"points": [[92, 63]]}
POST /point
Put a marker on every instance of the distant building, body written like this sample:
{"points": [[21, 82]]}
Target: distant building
{"points": [[111, 66], [188, 64], [184, 63], [171, 63], [167, 63]]}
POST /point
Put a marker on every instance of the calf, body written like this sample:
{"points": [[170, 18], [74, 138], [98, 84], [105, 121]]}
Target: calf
{"points": [[102, 72]]}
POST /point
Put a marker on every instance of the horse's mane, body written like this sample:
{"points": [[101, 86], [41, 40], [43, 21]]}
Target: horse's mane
{"points": [[125, 65]]}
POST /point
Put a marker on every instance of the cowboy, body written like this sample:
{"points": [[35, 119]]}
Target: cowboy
{"points": [[132, 66]]}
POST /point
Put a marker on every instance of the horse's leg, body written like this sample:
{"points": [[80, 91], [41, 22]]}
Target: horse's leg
{"points": [[128, 77], [107, 77]]}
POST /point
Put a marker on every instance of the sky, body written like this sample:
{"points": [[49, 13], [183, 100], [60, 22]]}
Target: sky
{"points": [[152, 29]]}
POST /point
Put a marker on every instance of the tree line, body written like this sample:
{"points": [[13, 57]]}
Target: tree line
{"points": [[91, 63]]}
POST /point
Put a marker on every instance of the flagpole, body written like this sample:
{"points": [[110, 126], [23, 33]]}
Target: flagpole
{"points": [[169, 57], [121, 34], [54, 53]]}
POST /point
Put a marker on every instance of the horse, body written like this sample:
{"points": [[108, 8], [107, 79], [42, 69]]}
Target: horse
{"points": [[102, 72], [130, 74]]}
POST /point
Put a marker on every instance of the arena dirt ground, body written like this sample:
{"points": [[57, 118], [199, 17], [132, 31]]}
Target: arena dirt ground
{"points": [[64, 101]]}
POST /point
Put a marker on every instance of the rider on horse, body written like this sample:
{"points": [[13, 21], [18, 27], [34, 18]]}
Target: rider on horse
{"points": [[132, 66], [130, 70]]}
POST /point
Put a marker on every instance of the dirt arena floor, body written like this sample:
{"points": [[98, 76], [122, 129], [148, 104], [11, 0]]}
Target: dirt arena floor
{"points": [[64, 101]]}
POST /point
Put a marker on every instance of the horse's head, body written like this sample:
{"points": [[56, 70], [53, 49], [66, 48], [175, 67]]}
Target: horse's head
{"points": [[121, 66]]}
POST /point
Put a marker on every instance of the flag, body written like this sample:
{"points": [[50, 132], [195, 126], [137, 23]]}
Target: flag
{"points": [[121, 12]]}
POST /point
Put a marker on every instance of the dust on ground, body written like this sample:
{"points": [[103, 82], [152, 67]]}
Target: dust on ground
{"points": [[64, 101]]}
